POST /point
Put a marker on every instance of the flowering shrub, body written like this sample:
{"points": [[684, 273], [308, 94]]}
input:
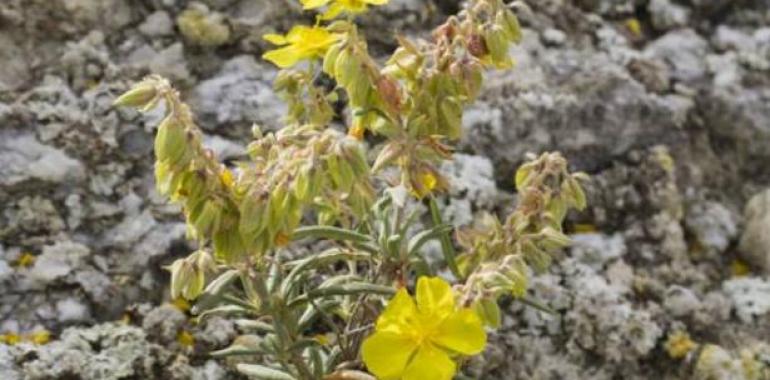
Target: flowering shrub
{"points": [[344, 312]]}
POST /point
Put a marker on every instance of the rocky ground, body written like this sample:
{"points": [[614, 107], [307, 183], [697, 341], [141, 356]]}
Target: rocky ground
{"points": [[665, 103]]}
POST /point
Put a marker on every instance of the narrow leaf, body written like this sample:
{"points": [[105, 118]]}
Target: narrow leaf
{"points": [[263, 373]]}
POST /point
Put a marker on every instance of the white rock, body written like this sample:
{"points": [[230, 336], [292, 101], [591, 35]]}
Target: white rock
{"points": [[57, 261], [713, 225], [596, 249], [471, 180], [71, 310], [223, 148], [555, 37], [157, 24], [681, 301], [5, 270], [169, 62], [666, 15], [754, 246], [8, 369], [131, 229], [23, 158], [750, 297], [240, 93], [684, 50], [727, 38]]}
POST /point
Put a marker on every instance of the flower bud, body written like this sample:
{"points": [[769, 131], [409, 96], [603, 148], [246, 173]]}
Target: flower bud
{"points": [[139, 96]]}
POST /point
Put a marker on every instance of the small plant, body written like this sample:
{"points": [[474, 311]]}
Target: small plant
{"points": [[344, 310]]}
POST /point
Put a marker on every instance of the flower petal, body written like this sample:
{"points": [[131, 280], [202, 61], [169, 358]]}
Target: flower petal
{"points": [[386, 354], [434, 297], [430, 363], [334, 10], [284, 57], [398, 313], [376, 2], [312, 4], [275, 39], [297, 32], [462, 332]]}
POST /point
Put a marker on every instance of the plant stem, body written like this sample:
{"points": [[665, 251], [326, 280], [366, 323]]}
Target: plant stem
{"points": [[280, 318]]}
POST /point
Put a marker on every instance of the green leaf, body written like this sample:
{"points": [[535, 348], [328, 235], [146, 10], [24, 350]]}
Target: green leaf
{"points": [[538, 305], [523, 174], [312, 311], [212, 294], [330, 233], [254, 325], [446, 242], [578, 195], [313, 262], [489, 311], [236, 350], [225, 310], [343, 290], [263, 373], [418, 240]]}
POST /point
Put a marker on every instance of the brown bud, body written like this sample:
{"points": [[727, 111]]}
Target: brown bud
{"points": [[445, 32], [390, 92], [477, 46]]}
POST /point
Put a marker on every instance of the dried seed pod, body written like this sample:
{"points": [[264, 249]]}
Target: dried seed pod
{"points": [[187, 277], [510, 23], [252, 210], [450, 117], [390, 92], [228, 244], [477, 46], [330, 59], [497, 43], [171, 142], [489, 312], [388, 153], [209, 218]]}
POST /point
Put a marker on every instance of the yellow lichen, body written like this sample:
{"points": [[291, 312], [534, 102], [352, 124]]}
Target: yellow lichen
{"points": [[679, 344], [738, 268], [40, 337], [10, 339], [202, 27], [26, 260], [634, 27], [185, 338]]}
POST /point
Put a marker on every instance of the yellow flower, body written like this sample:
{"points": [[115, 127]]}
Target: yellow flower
{"points": [[417, 340], [227, 178], [302, 42], [40, 337], [340, 6], [357, 132]]}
